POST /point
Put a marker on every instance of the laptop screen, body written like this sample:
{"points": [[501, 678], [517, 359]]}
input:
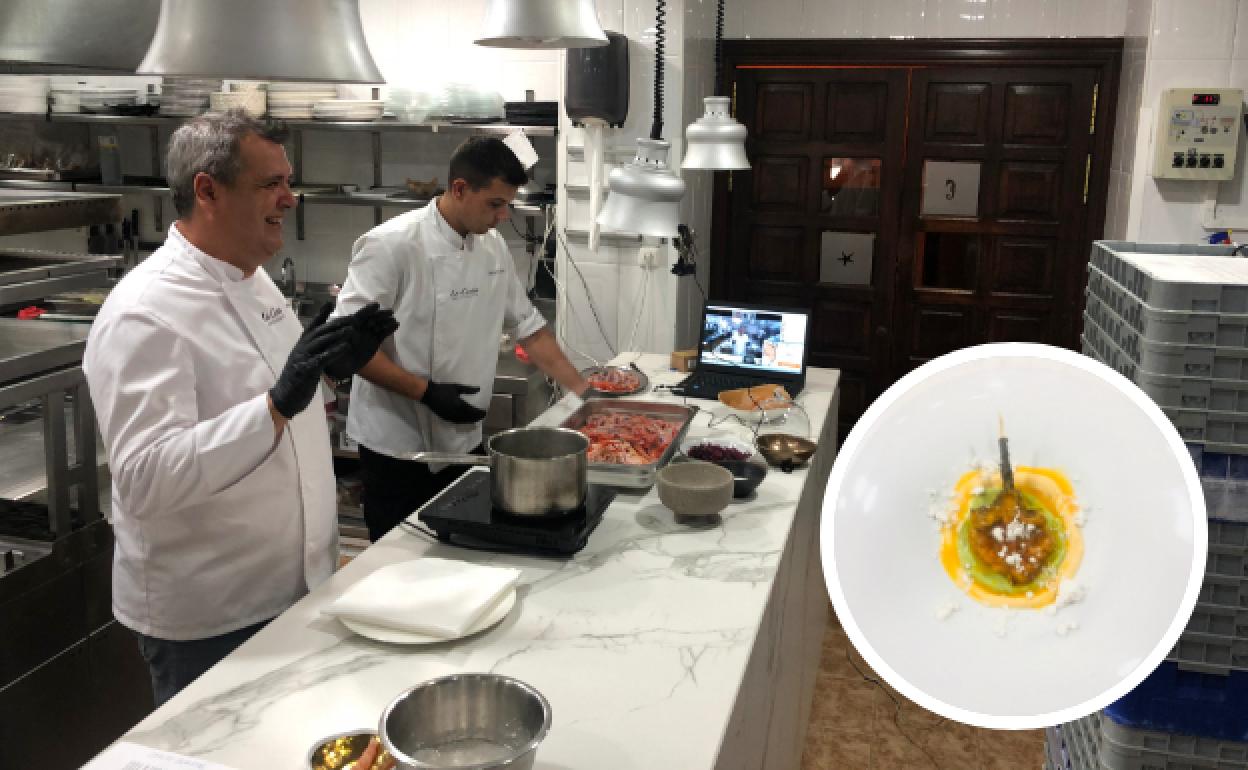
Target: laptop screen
{"points": [[753, 339]]}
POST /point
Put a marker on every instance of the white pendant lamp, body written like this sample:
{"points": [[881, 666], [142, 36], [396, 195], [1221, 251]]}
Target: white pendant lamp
{"points": [[716, 141], [313, 40], [542, 24], [645, 194]]}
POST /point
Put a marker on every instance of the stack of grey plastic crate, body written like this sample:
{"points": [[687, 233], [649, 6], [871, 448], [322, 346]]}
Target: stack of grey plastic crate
{"points": [[1173, 318]]}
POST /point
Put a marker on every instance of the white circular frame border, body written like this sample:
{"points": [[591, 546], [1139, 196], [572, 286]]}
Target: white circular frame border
{"points": [[1200, 541]]}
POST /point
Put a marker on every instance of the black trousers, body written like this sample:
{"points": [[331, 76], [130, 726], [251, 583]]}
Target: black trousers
{"points": [[173, 665], [394, 489]]}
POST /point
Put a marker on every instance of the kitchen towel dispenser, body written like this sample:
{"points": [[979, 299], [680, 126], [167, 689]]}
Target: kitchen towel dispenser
{"points": [[597, 82]]}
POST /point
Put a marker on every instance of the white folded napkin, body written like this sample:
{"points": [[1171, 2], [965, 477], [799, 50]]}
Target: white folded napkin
{"points": [[437, 597]]}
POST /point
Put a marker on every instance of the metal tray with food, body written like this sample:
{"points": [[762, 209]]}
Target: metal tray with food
{"points": [[615, 381], [633, 475]]}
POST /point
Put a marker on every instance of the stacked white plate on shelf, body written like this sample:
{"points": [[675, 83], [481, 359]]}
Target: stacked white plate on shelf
{"points": [[251, 102], [459, 101], [186, 97], [24, 93], [98, 99], [295, 101], [348, 109]]}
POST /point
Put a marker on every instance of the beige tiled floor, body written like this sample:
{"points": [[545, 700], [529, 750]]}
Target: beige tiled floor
{"points": [[855, 725]]}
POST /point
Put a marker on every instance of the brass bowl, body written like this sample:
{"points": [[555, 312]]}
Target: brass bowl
{"points": [[340, 751], [784, 451]]}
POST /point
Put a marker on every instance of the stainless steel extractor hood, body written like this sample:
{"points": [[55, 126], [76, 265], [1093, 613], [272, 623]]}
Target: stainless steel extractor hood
{"points": [[310, 40], [88, 36]]}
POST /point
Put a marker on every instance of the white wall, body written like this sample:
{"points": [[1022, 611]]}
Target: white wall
{"points": [[924, 18], [640, 308], [1175, 43]]}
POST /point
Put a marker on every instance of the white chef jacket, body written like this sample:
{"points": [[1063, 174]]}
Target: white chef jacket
{"points": [[452, 297], [217, 527]]}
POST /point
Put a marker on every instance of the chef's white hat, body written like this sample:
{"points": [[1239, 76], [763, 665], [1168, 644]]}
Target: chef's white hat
{"points": [[523, 148]]}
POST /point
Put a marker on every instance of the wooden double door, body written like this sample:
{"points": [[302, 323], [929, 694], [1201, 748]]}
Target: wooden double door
{"points": [[917, 201]]}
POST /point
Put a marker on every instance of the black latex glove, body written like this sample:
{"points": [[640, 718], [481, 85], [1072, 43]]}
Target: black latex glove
{"points": [[443, 399], [321, 343], [370, 326]]}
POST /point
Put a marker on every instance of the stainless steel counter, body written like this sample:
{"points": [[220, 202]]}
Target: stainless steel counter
{"points": [[520, 394], [27, 347]]}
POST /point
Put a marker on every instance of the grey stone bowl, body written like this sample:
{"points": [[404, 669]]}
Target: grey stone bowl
{"points": [[695, 488]]}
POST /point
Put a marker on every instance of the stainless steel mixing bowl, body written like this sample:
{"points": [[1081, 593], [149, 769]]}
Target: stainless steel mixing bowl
{"points": [[466, 722]]}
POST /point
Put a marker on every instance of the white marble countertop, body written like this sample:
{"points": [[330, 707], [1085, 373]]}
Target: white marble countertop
{"points": [[640, 642]]}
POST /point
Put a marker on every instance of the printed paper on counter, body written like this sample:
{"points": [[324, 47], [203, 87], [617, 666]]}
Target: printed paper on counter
{"points": [[132, 756]]}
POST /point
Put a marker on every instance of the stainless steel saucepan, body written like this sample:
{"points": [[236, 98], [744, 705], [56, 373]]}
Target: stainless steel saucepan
{"points": [[533, 471]]}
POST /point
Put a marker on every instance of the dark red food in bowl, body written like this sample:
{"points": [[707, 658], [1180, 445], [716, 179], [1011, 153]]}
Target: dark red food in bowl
{"points": [[714, 453]]}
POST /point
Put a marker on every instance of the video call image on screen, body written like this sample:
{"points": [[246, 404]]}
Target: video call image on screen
{"points": [[767, 341]]}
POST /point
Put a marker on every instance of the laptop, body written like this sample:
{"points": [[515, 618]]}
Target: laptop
{"points": [[746, 345]]}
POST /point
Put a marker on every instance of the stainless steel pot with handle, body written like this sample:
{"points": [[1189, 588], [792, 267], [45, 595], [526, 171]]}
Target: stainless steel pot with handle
{"points": [[533, 471]]}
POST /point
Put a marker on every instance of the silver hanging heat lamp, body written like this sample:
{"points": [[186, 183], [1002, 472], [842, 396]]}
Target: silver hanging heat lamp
{"points": [[716, 141], [312, 40], [645, 194], [542, 24]]}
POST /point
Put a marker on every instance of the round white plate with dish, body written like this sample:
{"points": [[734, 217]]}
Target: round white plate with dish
{"points": [[1143, 530], [490, 617]]}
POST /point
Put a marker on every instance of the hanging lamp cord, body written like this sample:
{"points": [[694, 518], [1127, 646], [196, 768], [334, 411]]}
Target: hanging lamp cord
{"points": [[719, 47], [660, 37]]}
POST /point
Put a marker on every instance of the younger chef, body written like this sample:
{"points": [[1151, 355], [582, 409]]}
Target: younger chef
{"points": [[450, 278], [224, 507]]}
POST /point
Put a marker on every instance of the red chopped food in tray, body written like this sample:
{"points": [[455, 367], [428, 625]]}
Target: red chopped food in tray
{"points": [[615, 381], [628, 439]]}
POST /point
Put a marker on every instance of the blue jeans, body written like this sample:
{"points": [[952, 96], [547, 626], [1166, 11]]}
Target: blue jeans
{"points": [[175, 664]]}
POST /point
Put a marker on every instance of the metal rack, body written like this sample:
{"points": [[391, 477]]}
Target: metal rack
{"points": [[41, 360], [34, 209], [385, 124]]}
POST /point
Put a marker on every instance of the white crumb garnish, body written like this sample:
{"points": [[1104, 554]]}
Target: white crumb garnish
{"points": [[1066, 627], [1070, 592], [946, 609]]}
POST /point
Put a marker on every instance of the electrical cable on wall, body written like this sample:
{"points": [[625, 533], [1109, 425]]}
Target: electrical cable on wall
{"points": [[589, 295], [660, 39]]}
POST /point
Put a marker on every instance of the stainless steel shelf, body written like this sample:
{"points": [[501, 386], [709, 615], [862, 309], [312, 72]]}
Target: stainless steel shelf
{"points": [[580, 190], [617, 239], [385, 124], [28, 274], [29, 347], [29, 211], [620, 154]]}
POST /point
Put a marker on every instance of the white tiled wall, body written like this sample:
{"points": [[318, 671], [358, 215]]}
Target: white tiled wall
{"points": [[640, 308], [1173, 43], [925, 18]]}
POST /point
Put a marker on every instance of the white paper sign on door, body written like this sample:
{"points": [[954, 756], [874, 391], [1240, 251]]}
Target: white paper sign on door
{"points": [[846, 258], [950, 189]]}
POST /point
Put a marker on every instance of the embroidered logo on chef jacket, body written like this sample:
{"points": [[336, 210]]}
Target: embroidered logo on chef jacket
{"points": [[273, 315], [497, 271], [465, 293]]}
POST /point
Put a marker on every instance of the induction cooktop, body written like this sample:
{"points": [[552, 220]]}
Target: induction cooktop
{"points": [[464, 514]]}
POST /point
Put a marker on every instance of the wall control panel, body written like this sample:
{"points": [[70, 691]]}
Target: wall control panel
{"points": [[1197, 133]]}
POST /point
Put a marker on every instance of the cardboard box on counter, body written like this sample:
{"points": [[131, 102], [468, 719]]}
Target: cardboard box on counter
{"points": [[683, 360]]}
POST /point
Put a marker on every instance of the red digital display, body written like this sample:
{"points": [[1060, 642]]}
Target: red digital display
{"points": [[1207, 99]]}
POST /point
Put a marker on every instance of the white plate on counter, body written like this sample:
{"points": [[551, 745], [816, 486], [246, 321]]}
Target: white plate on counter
{"points": [[1140, 513], [490, 617]]}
